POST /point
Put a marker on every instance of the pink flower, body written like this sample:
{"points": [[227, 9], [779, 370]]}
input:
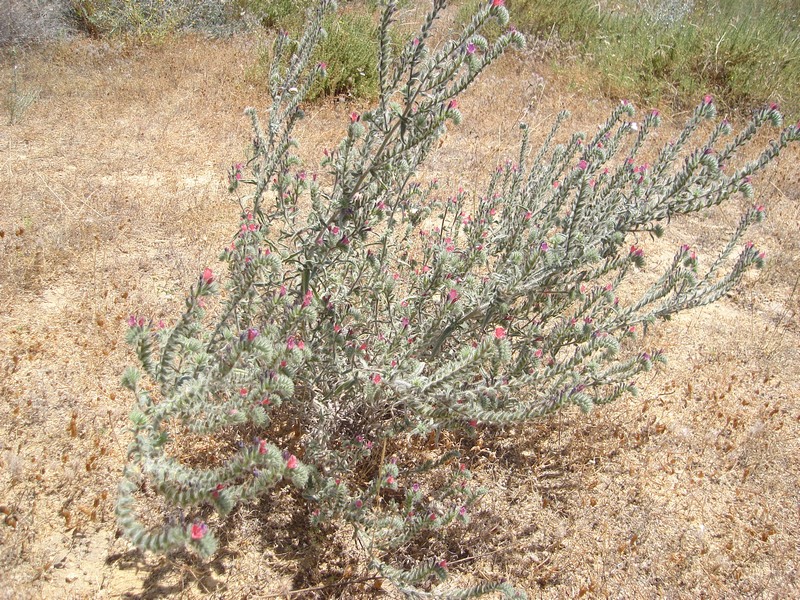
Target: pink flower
{"points": [[376, 378], [208, 276], [291, 462], [582, 165], [307, 299], [390, 480], [452, 296], [498, 2], [470, 48], [453, 104], [499, 333], [708, 99], [252, 334], [355, 117], [538, 353], [323, 66], [262, 447], [199, 530], [359, 504], [543, 247]]}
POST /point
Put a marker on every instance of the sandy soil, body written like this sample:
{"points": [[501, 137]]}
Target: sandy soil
{"points": [[113, 199]]}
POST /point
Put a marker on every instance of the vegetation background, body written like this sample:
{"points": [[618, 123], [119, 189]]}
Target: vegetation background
{"points": [[121, 120]]}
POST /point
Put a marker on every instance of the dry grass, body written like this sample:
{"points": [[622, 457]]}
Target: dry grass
{"points": [[114, 198]]}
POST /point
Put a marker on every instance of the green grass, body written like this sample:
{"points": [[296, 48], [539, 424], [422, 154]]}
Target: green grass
{"points": [[350, 50], [744, 52]]}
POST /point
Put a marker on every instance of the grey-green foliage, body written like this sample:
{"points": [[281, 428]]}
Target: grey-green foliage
{"points": [[383, 310]]}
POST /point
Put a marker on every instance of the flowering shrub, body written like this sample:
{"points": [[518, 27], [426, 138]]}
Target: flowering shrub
{"points": [[363, 310]]}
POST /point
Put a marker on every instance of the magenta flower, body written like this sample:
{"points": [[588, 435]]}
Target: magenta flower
{"points": [[252, 334], [582, 165], [544, 247], [470, 48], [199, 530]]}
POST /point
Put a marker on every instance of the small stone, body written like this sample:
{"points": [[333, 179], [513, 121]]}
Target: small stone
{"points": [[71, 577]]}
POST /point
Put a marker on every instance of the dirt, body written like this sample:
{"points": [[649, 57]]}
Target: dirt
{"points": [[114, 198]]}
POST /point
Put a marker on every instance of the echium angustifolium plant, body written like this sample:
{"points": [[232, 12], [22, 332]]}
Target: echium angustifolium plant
{"points": [[363, 310]]}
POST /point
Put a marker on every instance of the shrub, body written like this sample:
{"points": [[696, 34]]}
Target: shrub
{"points": [[30, 20], [153, 19], [363, 310], [276, 13]]}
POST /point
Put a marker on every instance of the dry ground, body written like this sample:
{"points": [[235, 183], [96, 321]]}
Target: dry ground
{"points": [[113, 198]]}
